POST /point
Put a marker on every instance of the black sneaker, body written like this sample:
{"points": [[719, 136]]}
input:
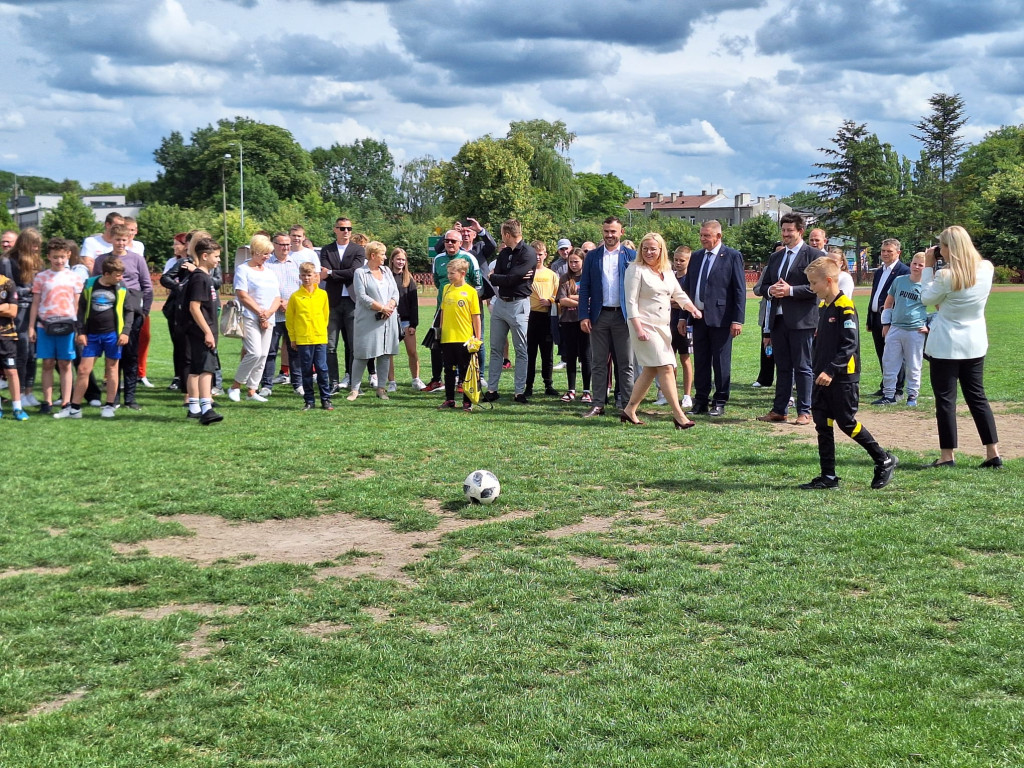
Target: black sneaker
{"points": [[551, 392], [490, 397], [327, 405], [190, 415], [884, 401], [45, 409], [175, 385], [521, 399], [132, 405], [884, 471], [309, 406], [210, 417], [821, 484]]}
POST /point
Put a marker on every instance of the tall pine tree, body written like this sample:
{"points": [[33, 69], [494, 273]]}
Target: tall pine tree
{"points": [[942, 147]]}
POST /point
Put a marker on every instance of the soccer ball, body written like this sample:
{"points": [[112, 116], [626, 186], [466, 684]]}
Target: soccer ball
{"points": [[481, 487]]}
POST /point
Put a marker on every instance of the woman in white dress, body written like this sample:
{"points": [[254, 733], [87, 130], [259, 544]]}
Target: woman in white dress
{"points": [[375, 327], [651, 287]]}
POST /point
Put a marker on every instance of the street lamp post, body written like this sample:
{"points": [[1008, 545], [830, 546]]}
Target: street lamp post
{"points": [[224, 201], [241, 188]]}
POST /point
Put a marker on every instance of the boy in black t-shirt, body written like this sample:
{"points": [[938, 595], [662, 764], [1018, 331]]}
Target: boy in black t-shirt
{"points": [[105, 316], [201, 332], [835, 361], [9, 343]]}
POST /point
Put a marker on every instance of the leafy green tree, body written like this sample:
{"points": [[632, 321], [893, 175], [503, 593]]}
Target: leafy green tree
{"points": [[601, 195], [1000, 150], [104, 188], [140, 192], [852, 183], [358, 176], [71, 218], [939, 134], [261, 200], [754, 238], [418, 193], [159, 223], [1003, 217], [553, 185], [802, 200], [191, 175], [489, 179], [28, 185]]}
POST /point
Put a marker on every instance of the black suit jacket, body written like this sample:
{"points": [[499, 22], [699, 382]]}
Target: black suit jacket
{"points": [[340, 270], [725, 294], [875, 318], [799, 311]]}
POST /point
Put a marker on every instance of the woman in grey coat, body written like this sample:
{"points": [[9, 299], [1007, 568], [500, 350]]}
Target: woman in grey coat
{"points": [[375, 327]]}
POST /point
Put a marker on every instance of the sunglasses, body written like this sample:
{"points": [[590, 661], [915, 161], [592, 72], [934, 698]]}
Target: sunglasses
{"points": [[447, 240], [344, 229]]}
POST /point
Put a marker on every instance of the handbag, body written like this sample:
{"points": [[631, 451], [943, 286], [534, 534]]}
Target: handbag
{"points": [[432, 338], [59, 326], [231, 319]]}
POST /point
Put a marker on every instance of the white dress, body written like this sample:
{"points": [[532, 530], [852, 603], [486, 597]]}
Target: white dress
{"points": [[649, 298]]}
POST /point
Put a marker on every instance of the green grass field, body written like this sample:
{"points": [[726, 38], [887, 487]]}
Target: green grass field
{"points": [[718, 617]]}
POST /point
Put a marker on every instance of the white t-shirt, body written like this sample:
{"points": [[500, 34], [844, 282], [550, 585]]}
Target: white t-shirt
{"points": [[261, 285], [95, 245], [304, 255]]}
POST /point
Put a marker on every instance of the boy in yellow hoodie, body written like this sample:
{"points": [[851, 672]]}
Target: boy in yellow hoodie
{"points": [[306, 321]]}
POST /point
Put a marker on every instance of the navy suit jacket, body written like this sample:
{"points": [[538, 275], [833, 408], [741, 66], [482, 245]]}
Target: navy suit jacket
{"points": [[340, 271], [591, 284], [875, 318], [799, 311], [725, 294]]}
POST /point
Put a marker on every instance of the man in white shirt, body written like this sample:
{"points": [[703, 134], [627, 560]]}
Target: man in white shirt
{"points": [[102, 242], [890, 268]]}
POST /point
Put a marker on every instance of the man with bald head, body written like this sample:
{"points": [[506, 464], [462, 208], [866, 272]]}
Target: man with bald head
{"points": [[817, 239], [7, 240]]}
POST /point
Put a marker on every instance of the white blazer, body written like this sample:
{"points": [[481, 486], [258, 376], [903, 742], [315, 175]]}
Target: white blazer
{"points": [[958, 329]]}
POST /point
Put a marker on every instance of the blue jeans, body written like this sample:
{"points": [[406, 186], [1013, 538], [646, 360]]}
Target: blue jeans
{"points": [[313, 358]]}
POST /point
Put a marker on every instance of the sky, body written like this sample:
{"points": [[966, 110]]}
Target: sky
{"points": [[670, 95]]}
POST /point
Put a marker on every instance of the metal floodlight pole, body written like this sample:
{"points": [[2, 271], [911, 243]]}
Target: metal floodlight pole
{"points": [[241, 188], [224, 201]]}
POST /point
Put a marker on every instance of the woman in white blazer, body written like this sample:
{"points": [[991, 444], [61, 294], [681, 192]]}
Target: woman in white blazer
{"points": [[958, 340]]}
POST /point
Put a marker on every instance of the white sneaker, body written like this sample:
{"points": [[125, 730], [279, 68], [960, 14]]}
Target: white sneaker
{"points": [[234, 395], [392, 386], [67, 413], [792, 402], [418, 385], [95, 403], [483, 384], [107, 412], [146, 383], [257, 397], [300, 390], [3, 383], [345, 382], [373, 381], [756, 385], [265, 392], [686, 402], [279, 379], [662, 400], [29, 399], [217, 392], [559, 366]]}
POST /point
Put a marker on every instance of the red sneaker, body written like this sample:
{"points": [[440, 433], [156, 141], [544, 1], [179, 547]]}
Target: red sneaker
{"points": [[433, 386]]}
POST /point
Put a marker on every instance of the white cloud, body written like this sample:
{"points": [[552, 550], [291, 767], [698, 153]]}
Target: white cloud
{"points": [[172, 79], [171, 31], [11, 121]]}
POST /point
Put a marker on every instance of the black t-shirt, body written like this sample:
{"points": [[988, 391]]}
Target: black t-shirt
{"points": [[103, 310], [201, 288], [8, 295]]}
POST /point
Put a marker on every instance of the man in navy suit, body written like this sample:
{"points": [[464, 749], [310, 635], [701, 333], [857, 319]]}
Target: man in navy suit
{"points": [[792, 316], [602, 313], [716, 284], [890, 268], [341, 259]]}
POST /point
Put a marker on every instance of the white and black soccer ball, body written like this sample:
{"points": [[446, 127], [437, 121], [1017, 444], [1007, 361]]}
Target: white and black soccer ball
{"points": [[481, 487]]}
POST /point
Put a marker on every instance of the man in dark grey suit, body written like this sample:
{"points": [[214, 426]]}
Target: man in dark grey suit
{"points": [[890, 268], [792, 317], [341, 259], [716, 284]]}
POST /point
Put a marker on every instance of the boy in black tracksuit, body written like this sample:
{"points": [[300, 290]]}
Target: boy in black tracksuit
{"points": [[836, 366]]}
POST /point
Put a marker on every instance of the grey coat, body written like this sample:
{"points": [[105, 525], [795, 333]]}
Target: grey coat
{"points": [[373, 337]]}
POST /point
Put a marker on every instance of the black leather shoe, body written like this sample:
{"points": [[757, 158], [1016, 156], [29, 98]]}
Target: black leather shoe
{"points": [[521, 399], [716, 410], [490, 397], [699, 410], [597, 410], [996, 462]]}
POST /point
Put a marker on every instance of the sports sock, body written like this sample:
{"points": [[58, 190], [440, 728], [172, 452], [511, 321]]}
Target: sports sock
{"points": [[193, 405], [205, 404]]}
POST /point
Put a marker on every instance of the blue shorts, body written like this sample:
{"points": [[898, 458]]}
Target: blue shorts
{"points": [[54, 347], [105, 344]]}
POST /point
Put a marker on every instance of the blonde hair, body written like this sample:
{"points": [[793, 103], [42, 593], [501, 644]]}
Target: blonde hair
{"points": [[963, 257], [375, 247], [663, 262], [823, 266], [837, 252], [405, 272], [459, 265], [307, 268], [260, 245], [194, 237]]}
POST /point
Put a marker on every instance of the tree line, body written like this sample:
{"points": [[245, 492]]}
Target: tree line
{"points": [[864, 189]]}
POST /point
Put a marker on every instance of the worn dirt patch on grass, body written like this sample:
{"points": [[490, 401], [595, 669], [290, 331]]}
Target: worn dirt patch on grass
{"points": [[162, 611], [308, 541], [592, 563], [713, 567], [57, 704], [199, 646], [37, 571], [593, 524], [379, 615], [715, 548], [707, 522], [916, 430], [995, 602], [324, 629]]}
